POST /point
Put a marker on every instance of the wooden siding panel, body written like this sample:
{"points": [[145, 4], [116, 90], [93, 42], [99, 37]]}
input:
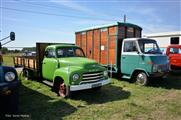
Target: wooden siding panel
{"points": [[84, 42], [89, 44], [78, 39], [112, 45], [96, 45], [112, 50], [121, 32], [103, 59]]}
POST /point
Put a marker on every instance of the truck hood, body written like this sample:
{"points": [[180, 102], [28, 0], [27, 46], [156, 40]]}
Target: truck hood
{"points": [[77, 61], [159, 59]]}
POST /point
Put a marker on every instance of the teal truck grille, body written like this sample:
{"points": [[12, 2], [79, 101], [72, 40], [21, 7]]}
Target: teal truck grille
{"points": [[92, 77], [163, 68]]}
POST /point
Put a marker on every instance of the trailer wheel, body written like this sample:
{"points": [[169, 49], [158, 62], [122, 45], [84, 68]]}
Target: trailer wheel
{"points": [[26, 74], [141, 78]]}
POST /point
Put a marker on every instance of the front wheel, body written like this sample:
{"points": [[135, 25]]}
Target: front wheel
{"points": [[64, 91], [141, 79]]}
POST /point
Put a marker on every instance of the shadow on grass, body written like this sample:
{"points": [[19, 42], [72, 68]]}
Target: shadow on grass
{"points": [[173, 81], [39, 106], [107, 93]]}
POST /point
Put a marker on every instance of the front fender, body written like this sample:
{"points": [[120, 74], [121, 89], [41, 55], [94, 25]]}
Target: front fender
{"points": [[66, 72], [63, 73]]}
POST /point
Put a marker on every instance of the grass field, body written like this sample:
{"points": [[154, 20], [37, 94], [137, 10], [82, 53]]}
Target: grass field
{"points": [[120, 100]]}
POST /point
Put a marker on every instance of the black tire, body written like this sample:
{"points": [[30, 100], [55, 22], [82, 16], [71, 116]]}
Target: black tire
{"points": [[141, 79], [26, 74], [61, 89]]}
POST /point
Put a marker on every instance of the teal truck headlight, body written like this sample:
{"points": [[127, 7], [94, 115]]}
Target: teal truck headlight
{"points": [[75, 77], [155, 68], [105, 73], [9, 76]]}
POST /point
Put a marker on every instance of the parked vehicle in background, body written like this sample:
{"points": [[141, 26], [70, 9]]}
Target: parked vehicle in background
{"points": [[132, 58], [9, 84], [29, 53], [174, 54], [64, 67]]}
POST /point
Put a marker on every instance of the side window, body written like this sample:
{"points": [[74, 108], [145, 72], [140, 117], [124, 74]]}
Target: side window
{"points": [[50, 53], [130, 46]]}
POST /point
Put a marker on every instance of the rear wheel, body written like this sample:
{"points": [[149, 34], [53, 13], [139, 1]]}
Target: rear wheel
{"points": [[26, 74], [141, 78]]}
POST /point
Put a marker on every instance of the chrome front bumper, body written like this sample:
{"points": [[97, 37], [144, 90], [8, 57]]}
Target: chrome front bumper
{"points": [[89, 85]]}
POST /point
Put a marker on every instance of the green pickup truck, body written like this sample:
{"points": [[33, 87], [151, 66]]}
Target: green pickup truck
{"points": [[64, 67]]}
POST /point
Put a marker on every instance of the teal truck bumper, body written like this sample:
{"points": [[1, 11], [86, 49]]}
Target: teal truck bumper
{"points": [[90, 85]]}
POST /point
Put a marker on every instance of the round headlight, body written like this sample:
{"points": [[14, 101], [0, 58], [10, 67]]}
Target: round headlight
{"points": [[75, 77], [105, 73], [9, 76]]}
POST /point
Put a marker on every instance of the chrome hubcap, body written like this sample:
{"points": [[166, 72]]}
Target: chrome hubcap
{"points": [[141, 78]]}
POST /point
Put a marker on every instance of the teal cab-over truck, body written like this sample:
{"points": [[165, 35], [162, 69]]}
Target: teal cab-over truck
{"points": [[9, 84], [63, 66], [120, 48]]}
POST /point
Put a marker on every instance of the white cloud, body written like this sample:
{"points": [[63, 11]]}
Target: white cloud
{"points": [[156, 28], [79, 6], [73, 5], [148, 14]]}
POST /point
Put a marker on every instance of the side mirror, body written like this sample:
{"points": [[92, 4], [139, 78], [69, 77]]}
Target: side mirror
{"points": [[0, 46], [12, 36]]}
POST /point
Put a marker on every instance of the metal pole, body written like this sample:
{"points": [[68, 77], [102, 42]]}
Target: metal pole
{"points": [[4, 38], [6, 43]]}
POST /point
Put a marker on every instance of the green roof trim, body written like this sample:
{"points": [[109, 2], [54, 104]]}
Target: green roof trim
{"points": [[62, 45], [109, 25]]}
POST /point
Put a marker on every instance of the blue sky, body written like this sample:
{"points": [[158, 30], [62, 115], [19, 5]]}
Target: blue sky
{"points": [[72, 15]]}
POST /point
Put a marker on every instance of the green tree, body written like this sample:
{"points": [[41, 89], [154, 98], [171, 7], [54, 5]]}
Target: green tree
{"points": [[4, 50]]}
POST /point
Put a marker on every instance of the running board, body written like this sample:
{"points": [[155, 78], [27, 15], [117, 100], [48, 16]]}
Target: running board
{"points": [[48, 83]]}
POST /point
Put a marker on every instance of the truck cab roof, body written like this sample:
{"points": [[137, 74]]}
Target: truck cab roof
{"points": [[174, 46], [135, 39], [62, 45]]}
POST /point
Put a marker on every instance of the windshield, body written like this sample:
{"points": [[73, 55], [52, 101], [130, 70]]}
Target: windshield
{"points": [[175, 50], [149, 47], [70, 52]]}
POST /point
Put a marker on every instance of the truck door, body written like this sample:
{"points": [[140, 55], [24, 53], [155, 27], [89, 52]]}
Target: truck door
{"points": [[129, 57], [49, 64]]}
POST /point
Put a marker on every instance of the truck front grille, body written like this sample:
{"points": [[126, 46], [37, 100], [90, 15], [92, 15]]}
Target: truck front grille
{"points": [[92, 77], [164, 67]]}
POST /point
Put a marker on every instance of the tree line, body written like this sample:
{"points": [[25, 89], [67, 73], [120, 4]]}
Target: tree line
{"points": [[5, 50]]}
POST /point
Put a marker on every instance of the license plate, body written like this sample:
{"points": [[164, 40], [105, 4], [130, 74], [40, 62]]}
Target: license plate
{"points": [[96, 85]]}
